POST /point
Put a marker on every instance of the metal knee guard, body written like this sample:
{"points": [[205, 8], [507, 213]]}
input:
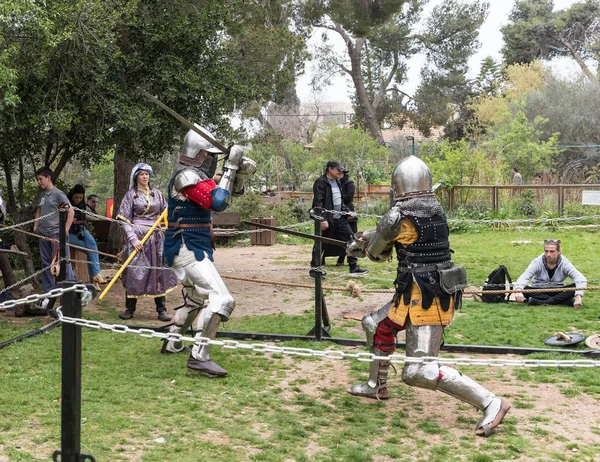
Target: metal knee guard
{"points": [[422, 341], [372, 320]]}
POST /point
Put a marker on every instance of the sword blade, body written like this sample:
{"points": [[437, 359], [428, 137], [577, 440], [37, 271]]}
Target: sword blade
{"points": [[183, 120], [324, 240]]}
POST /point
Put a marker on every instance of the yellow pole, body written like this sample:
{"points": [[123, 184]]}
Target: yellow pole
{"points": [[162, 217]]}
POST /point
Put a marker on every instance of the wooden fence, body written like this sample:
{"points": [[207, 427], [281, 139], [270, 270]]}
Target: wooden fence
{"points": [[557, 191]]}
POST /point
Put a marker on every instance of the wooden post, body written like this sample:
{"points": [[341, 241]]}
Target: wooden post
{"points": [[561, 200], [451, 199], [80, 267], [495, 199]]}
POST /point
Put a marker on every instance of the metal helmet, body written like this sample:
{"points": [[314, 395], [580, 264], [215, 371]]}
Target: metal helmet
{"points": [[410, 178], [193, 145]]}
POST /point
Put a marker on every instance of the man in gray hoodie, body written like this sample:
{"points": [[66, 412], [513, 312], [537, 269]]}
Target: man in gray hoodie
{"points": [[550, 270]]}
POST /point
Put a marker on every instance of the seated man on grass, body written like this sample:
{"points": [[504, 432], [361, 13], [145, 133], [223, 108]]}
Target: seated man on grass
{"points": [[549, 271]]}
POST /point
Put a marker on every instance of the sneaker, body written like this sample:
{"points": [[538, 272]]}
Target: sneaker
{"points": [[357, 271]]}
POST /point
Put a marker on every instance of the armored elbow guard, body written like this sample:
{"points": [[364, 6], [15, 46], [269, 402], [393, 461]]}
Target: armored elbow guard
{"points": [[201, 193]]}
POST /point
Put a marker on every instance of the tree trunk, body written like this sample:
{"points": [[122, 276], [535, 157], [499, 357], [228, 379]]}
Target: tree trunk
{"points": [[123, 163], [370, 111], [20, 214], [586, 70], [8, 276]]}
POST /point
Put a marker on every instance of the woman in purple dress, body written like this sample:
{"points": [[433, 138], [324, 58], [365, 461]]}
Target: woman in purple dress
{"points": [[140, 208]]}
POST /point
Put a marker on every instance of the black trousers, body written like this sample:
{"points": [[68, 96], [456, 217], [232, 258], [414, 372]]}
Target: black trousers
{"points": [[340, 230], [552, 298]]}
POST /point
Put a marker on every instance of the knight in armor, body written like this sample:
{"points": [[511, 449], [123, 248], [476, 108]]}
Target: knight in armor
{"points": [[428, 291], [193, 196]]}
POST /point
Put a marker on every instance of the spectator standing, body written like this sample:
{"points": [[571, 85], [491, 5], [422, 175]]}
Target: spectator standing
{"points": [[348, 191], [517, 178], [327, 195], [50, 200], [146, 276]]}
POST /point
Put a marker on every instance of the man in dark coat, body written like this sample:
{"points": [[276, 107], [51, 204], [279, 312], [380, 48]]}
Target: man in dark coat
{"points": [[327, 194]]}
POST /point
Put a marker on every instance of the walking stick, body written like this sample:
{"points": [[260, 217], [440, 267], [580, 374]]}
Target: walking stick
{"points": [[162, 217]]}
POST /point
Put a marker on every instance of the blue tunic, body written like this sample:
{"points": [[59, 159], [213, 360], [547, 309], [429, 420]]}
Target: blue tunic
{"points": [[198, 240]]}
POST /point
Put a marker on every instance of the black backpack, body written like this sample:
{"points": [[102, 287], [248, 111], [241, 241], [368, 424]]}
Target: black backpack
{"points": [[498, 279]]}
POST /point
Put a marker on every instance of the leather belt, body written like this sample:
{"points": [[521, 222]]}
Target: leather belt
{"points": [[426, 269], [190, 225]]}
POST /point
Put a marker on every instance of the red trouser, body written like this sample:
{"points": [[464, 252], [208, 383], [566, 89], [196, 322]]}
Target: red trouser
{"points": [[385, 335]]}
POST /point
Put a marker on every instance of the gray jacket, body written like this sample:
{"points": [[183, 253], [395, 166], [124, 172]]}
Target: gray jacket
{"points": [[537, 270]]}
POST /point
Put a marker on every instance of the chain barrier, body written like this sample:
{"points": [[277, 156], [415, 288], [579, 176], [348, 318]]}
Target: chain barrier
{"points": [[18, 283], [54, 293], [33, 220], [327, 354]]}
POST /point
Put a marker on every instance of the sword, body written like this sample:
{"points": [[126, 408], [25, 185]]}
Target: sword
{"points": [[324, 240], [184, 121]]}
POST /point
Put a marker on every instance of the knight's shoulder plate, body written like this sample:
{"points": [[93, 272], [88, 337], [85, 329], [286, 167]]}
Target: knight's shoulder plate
{"points": [[389, 226], [185, 178]]}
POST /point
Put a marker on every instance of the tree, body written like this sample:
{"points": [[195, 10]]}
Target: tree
{"points": [[571, 107], [520, 143], [380, 39], [75, 69], [535, 31]]}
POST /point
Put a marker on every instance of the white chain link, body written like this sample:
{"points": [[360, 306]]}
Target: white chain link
{"points": [[54, 293], [329, 354]]}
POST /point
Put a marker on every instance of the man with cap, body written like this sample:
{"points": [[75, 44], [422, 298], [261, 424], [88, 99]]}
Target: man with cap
{"points": [[327, 195]]}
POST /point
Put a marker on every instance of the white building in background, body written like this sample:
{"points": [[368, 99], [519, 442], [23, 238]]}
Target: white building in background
{"points": [[306, 121]]}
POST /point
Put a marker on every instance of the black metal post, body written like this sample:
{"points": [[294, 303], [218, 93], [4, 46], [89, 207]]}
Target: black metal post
{"points": [[71, 380], [318, 283], [318, 330]]}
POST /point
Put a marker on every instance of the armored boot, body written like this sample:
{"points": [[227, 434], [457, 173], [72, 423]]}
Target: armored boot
{"points": [[161, 309], [462, 387], [376, 386], [130, 304], [200, 357], [184, 317]]}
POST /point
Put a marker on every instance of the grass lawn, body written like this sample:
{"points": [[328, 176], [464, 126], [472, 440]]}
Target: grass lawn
{"points": [[140, 405]]}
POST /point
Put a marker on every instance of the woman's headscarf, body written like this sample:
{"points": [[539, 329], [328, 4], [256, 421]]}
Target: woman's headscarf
{"points": [[136, 170]]}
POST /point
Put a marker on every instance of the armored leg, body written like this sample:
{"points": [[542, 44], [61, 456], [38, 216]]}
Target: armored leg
{"points": [[202, 282], [184, 317], [376, 385], [426, 341]]}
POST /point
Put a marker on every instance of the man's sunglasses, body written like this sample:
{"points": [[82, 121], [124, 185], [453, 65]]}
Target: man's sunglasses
{"points": [[551, 241]]}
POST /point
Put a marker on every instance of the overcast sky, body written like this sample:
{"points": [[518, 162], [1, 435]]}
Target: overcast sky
{"points": [[490, 38]]}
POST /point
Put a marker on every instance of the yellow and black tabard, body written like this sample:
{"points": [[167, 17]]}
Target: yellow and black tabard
{"points": [[422, 247]]}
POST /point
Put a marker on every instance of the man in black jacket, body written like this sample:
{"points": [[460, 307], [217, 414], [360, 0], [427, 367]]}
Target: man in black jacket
{"points": [[327, 194]]}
